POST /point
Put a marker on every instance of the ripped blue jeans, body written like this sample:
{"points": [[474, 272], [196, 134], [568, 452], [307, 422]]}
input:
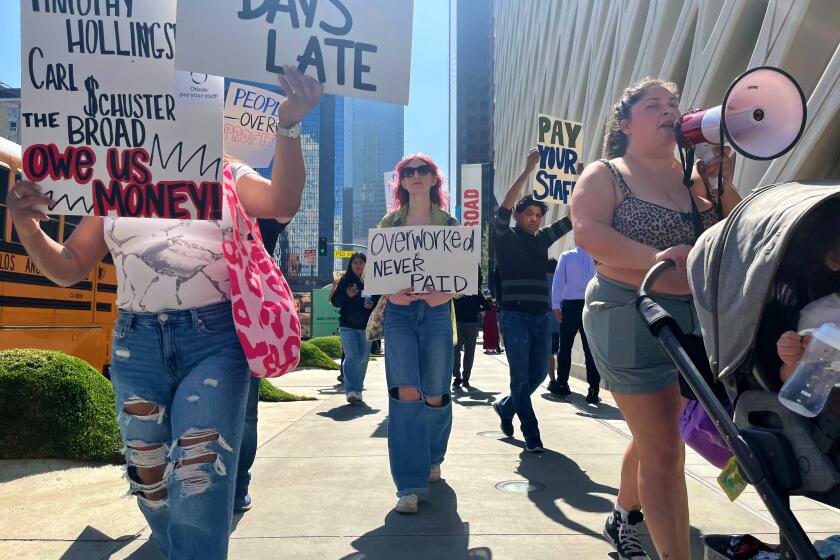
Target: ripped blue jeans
{"points": [[181, 381], [418, 354]]}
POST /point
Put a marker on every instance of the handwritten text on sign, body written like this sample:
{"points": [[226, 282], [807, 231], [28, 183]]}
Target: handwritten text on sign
{"points": [[356, 48], [109, 127], [251, 123], [442, 258], [560, 143]]}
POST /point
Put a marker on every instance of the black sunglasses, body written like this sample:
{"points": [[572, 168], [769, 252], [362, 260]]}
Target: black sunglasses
{"points": [[421, 170]]}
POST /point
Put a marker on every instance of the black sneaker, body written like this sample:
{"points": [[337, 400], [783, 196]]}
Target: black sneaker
{"points": [[534, 446], [506, 425], [592, 396], [624, 536], [456, 383], [563, 390]]}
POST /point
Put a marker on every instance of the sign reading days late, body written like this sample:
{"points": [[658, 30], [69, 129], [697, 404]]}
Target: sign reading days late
{"points": [[442, 258], [109, 126], [356, 48], [251, 123], [560, 143]]}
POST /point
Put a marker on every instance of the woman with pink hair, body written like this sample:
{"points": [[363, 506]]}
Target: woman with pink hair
{"points": [[418, 352]]}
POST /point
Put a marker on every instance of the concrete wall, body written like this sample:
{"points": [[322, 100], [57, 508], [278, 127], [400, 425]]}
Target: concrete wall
{"points": [[572, 59]]}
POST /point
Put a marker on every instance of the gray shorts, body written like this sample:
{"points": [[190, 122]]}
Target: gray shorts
{"points": [[630, 359]]}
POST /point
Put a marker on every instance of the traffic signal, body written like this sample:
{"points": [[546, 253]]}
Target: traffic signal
{"points": [[322, 246]]}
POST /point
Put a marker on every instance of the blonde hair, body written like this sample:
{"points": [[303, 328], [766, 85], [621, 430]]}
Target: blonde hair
{"points": [[615, 141]]}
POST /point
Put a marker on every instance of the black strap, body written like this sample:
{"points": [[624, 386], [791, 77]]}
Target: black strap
{"points": [[687, 161]]}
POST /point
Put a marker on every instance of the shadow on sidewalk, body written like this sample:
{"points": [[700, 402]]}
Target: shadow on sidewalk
{"points": [[337, 389], [348, 412], [473, 397], [564, 481], [81, 549], [602, 410], [436, 531]]}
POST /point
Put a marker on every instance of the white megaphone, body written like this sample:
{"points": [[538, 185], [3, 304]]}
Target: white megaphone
{"points": [[762, 117]]}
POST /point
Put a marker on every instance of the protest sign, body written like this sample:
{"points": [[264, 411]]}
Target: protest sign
{"points": [[109, 127], [443, 258], [251, 123], [389, 177], [560, 143], [356, 48], [471, 195]]}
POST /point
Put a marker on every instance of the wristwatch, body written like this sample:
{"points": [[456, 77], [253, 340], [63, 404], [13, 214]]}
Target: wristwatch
{"points": [[292, 132]]}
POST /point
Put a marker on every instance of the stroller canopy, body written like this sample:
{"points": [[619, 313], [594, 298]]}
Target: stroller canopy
{"points": [[732, 266]]}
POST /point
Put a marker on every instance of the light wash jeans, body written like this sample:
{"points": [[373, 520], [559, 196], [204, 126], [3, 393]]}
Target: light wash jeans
{"points": [[418, 354], [187, 369], [356, 356]]}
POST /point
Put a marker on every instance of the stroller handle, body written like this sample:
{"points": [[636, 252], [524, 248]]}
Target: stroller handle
{"points": [[653, 275]]}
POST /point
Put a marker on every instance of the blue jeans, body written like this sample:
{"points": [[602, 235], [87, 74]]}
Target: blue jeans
{"points": [[356, 356], [528, 346], [248, 450], [418, 354], [181, 381]]}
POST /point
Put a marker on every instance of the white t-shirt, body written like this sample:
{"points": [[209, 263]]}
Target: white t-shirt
{"points": [[819, 312], [167, 264]]}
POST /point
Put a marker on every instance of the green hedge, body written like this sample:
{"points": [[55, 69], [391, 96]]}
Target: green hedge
{"points": [[312, 356], [270, 393], [331, 345], [56, 406]]}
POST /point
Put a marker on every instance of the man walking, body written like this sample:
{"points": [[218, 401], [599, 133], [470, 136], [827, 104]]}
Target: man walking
{"points": [[521, 254], [467, 312], [574, 271]]}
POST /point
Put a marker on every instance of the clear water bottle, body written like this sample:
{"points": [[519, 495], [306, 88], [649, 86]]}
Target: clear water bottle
{"points": [[807, 390]]}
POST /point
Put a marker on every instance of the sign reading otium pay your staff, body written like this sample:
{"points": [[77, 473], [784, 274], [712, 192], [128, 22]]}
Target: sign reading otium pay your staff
{"points": [[559, 143]]}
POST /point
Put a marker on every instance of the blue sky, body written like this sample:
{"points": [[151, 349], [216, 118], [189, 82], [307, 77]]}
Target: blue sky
{"points": [[426, 116]]}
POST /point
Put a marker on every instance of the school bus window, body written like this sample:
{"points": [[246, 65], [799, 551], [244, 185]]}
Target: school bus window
{"points": [[50, 227], [70, 223], [4, 190], [108, 258]]}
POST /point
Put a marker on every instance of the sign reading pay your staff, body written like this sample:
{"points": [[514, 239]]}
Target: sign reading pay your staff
{"points": [[559, 143], [424, 258]]}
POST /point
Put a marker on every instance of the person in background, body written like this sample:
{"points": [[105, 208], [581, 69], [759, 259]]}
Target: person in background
{"points": [[468, 311], [490, 328], [270, 231], [554, 327], [353, 318], [571, 276], [521, 253]]}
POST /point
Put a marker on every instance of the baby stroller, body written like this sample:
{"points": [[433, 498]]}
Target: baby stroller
{"points": [[732, 270]]}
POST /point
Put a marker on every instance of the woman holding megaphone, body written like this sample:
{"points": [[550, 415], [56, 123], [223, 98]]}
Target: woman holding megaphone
{"points": [[629, 211]]}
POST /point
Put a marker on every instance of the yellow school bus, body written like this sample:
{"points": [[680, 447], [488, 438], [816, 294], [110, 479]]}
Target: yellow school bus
{"points": [[34, 312]]}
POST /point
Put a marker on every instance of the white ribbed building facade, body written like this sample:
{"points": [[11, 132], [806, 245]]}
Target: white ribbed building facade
{"points": [[572, 59]]}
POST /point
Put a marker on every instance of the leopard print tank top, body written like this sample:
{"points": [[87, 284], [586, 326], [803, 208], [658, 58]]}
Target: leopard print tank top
{"points": [[652, 224]]}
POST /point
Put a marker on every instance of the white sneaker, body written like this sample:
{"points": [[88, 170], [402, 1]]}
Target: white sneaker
{"points": [[408, 503], [434, 475], [353, 397]]}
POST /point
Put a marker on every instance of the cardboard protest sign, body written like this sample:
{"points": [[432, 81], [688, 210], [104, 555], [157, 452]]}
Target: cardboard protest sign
{"points": [[251, 123], [356, 48], [471, 194], [109, 127], [443, 258], [560, 143]]}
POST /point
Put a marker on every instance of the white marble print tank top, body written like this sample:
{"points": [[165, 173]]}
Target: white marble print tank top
{"points": [[165, 264]]}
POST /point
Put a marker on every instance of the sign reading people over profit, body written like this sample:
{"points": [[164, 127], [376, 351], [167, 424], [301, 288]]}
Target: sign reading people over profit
{"points": [[251, 123], [471, 195], [109, 126], [356, 48], [560, 144], [424, 258]]}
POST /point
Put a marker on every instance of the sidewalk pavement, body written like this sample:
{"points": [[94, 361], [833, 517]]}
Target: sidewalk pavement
{"points": [[322, 489]]}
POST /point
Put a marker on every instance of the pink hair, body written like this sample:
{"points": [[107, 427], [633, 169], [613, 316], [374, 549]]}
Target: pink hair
{"points": [[437, 194]]}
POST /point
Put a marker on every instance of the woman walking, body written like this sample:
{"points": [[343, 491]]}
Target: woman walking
{"points": [[630, 211], [419, 347], [353, 318]]}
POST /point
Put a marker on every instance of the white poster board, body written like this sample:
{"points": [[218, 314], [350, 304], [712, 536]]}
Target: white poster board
{"points": [[443, 258], [356, 48], [560, 143], [471, 174], [109, 127], [251, 123]]}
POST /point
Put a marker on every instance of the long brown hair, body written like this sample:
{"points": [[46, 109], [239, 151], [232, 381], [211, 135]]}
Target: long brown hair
{"points": [[615, 141]]}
